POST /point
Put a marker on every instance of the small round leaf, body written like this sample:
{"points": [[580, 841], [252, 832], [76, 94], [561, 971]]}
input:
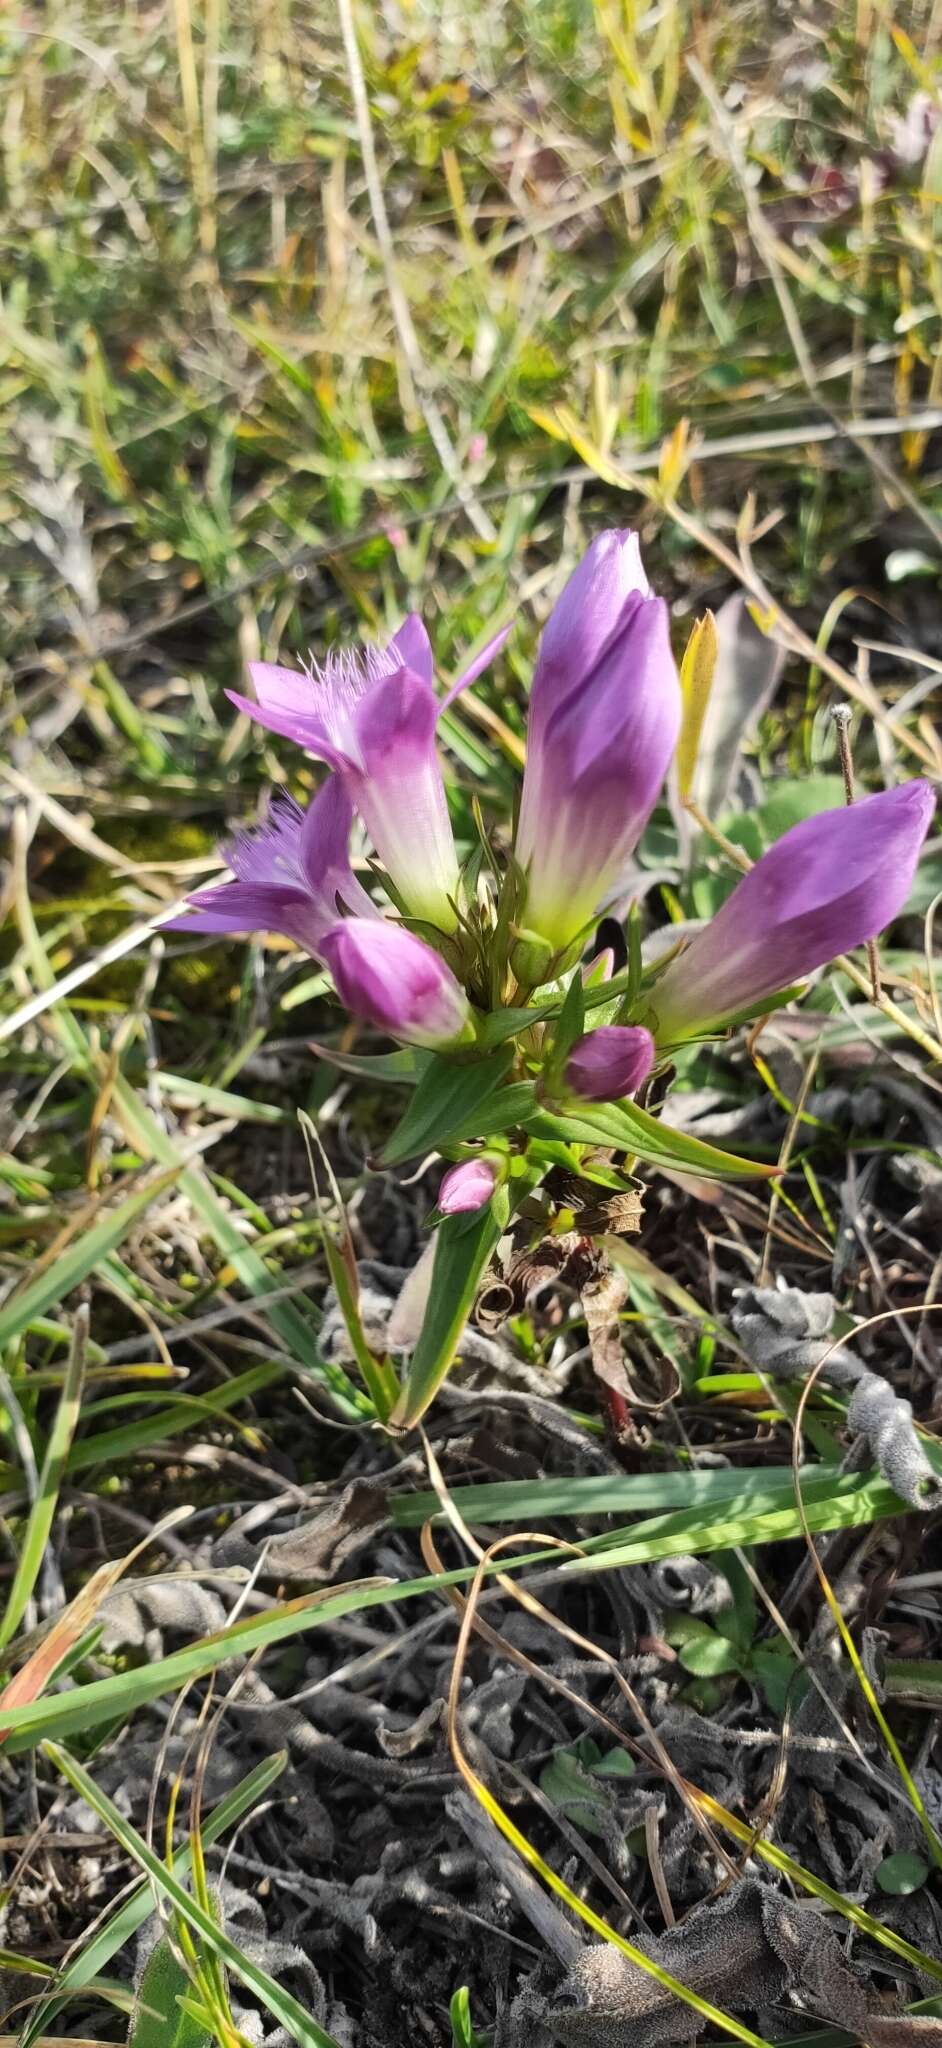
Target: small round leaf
{"points": [[901, 1874]]}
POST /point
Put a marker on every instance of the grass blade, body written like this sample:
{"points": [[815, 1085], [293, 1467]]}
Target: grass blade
{"points": [[80, 1258], [278, 2002], [848, 1502], [108, 1940], [39, 1522]]}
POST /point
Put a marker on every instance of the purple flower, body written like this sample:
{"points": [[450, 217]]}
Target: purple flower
{"points": [[372, 717], [603, 722], [292, 874], [824, 887], [467, 1187], [386, 975], [610, 1062]]}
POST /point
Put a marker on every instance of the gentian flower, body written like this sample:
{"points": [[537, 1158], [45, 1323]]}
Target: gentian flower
{"points": [[610, 1062], [383, 973], [826, 886], [292, 874], [372, 717], [603, 723], [467, 1187]]}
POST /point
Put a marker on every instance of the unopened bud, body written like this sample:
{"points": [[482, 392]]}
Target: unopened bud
{"points": [[531, 959]]}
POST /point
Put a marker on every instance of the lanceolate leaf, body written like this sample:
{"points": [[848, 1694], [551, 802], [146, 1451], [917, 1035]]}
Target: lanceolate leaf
{"points": [[633, 1130], [463, 1248], [447, 1095]]}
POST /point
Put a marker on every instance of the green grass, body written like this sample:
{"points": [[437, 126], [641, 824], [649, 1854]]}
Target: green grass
{"points": [[238, 421]]}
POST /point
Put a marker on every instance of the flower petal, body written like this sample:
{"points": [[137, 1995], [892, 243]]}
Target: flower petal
{"points": [[323, 851], [280, 689], [306, 729], [466, 1187], [387, 975], [244, 907], [412, 646], [595, 604], [400, 794], [611, 1062], [604, 719]]}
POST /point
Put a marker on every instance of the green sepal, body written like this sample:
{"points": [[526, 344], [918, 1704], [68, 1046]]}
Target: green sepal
{"points": [[703, 1032], [569, 1027]]}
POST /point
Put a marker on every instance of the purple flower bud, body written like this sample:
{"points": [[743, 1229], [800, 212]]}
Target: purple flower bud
{"points": [[467, 1187], [386, 975], [826, 886], [603, 724], [610, 1062], [292, 874]]}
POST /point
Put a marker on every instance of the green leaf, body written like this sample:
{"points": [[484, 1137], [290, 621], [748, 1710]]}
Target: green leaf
{"points": [[447, 1096], [633, 1130], [500, 1025], [572, 1787], [779, 1675], [832, 1500], [508, 1109], [276, 2000], [464, 1246], [106, 1446], [459, 2011], [616, 1763], [181, 1088], [790, 802], [159, 2020], [533, 1501], [708, 1655], [901, 1874]]}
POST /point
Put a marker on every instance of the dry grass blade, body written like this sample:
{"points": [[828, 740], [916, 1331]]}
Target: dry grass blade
{"points": [[933, 1839], [61, 1636], [535, 1607], [710, 2013]]}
